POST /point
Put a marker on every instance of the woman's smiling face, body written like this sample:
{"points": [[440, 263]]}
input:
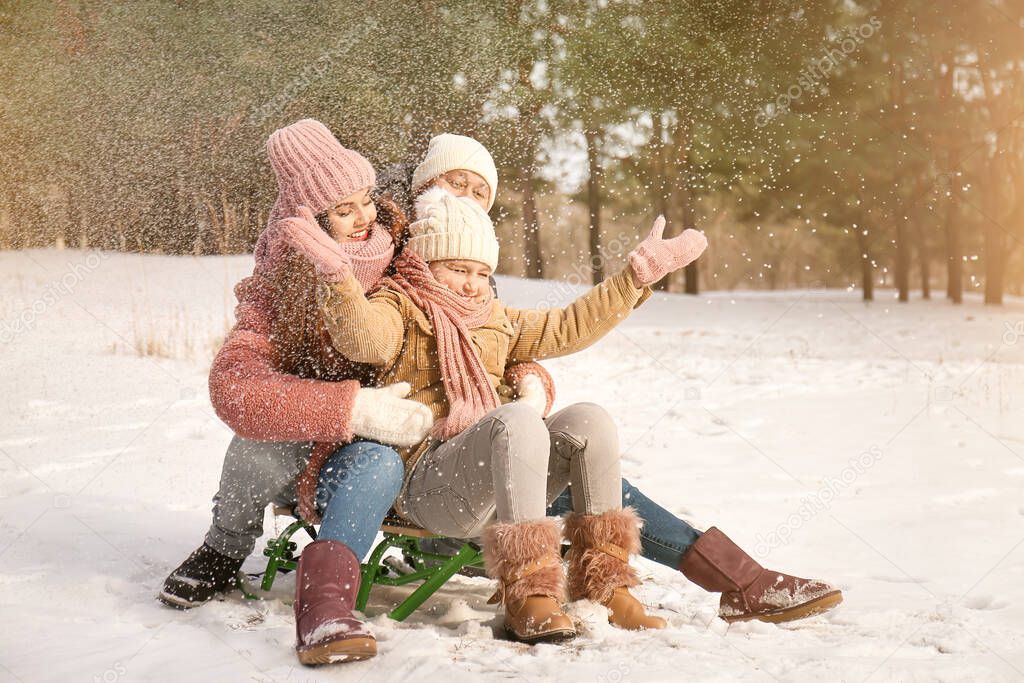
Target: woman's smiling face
{"points": [[350, 219]]}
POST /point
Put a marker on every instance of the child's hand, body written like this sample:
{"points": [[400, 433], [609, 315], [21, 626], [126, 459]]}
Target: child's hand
{"points": [[531, 392], [306, 237], [654, 258]]}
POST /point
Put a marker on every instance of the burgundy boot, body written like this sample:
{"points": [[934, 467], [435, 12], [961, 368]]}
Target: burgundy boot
{"points": [[326, 585], [749, 591]]}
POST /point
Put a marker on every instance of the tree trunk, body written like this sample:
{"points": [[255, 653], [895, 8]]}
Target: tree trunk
{"points": [[661, 170], [529, 114], [993, 237], [1002, 166], [954, 249], [661, 180], [995, 263], [902, 269], [691, 284], [683, 201], [594, 203], [954, 258], [923, 260], [74, 222], [867, 279], [867, 271], [686, 205], [531, 226], [954, 255]]}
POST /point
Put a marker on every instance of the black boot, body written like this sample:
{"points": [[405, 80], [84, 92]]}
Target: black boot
{"points": [[204, 574]]}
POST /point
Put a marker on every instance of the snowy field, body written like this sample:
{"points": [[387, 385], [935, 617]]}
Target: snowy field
{"points": [[880, 447]]}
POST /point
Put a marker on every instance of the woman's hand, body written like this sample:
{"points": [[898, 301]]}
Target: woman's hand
{"points": [[386, 415], [306, 237], [654, 258]]}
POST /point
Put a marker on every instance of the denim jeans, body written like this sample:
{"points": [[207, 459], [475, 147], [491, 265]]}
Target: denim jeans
{"points": [[357, 486], [254, 474], [664, 537]]}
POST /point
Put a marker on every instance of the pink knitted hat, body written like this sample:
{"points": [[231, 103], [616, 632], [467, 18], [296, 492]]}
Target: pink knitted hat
{"points": [[312, 169]]}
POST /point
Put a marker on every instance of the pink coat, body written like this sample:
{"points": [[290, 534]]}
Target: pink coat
{"points": [[259, 402]]}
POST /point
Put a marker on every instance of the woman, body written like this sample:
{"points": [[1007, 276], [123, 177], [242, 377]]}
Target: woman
{"points": [[280, 386], [274, 383]]}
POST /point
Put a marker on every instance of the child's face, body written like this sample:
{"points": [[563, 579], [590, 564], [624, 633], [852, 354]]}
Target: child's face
{"points": [[351, 219], [463, 183], [470, 279]]}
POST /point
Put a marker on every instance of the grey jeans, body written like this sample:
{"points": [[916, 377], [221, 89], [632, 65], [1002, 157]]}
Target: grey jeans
{"points": [[255, 474], [510, 465]]}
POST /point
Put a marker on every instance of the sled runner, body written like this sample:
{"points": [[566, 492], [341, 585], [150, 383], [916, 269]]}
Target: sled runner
{"points": [[432, 569]]}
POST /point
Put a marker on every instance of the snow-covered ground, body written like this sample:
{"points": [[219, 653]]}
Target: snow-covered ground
{"points": [[880, 447]]}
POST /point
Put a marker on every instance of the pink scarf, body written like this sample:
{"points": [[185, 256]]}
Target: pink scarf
{"points": [[370, 258], [469, 391]]}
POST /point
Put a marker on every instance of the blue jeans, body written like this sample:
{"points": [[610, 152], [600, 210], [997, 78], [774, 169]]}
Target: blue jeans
{"points": [[357, 486], [664, 537]]}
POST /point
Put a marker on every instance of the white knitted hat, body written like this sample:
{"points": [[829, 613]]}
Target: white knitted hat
{"points": [[450, 227], [448, 152]]}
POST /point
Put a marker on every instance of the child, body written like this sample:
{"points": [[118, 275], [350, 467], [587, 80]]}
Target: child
{"points": [[490, 468]]}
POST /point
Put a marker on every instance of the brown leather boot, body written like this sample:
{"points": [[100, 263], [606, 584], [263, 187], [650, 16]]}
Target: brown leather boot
{"points": [[749, 591], [599, 567], [524, 558], [326, 585]]}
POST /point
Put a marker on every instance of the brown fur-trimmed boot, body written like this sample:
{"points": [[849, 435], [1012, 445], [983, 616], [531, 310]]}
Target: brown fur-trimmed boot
{"points": [[599, 567], [524, 558], [749, 591]]}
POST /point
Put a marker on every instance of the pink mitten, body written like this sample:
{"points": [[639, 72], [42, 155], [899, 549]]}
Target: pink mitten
{"points": [[306, 237], [654, 258]]}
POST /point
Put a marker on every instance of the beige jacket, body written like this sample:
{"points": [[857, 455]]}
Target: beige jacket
{"points": [[389, 332]]}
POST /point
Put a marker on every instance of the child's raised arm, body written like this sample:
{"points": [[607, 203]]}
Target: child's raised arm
{"points": [[364, 331], [543, 334], [539, 334]]}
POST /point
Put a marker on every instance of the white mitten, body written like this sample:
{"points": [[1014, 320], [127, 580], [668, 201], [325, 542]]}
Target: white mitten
{"points": [[531, 392], [385, 415]]}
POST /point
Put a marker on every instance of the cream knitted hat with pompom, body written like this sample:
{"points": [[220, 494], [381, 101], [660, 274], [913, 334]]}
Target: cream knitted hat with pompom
{"points": [[450, 227]]}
